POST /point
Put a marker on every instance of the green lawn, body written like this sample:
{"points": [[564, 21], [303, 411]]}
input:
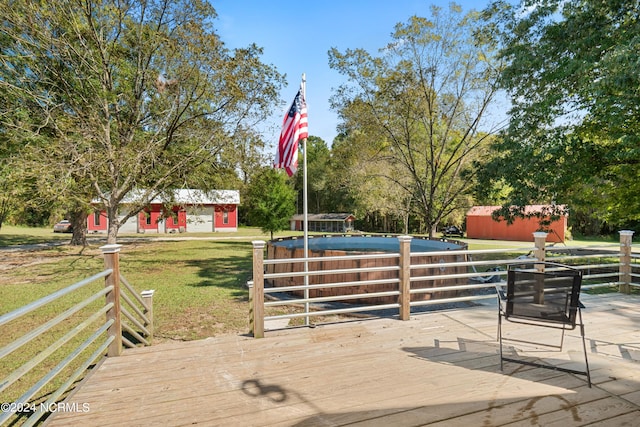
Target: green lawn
{"points": [[12, 235], [199, 284]]}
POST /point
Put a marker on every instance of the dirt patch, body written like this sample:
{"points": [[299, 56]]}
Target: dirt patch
{"points": [[18, 260], [13, 260]]}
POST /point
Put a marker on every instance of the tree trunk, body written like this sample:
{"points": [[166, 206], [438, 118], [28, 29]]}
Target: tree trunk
{"points": [[114, 225], [433, 230], [79, 226], [406, 223], [4, 210]]}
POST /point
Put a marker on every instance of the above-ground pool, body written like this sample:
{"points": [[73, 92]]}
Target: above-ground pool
{"points": [[366, 244], [331, 246]]}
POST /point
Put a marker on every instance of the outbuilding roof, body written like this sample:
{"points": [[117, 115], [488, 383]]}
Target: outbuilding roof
{"points": [[199, 197], [325, 217], [188, 196], [529, 209]]}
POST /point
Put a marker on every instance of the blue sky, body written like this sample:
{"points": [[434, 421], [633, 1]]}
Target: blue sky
{"points": [[296, 37]]}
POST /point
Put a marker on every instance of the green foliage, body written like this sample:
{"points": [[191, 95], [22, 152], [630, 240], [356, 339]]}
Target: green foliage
{"points": [[6, 198], [318, 176], [412, 115], [574, 87], [271, 201], [118, 96]]}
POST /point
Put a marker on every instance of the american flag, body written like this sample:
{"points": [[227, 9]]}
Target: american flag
{"points": [[294, 128]]}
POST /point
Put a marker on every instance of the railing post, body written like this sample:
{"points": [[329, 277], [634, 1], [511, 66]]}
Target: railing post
{"points": [[625, 261], [258, 288], [111, 261], [147, 297], [540, 239], [540, 252], [250, 287], [405, 277]]}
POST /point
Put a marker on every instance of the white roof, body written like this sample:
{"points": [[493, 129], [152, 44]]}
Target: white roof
{"points": [[191, 197], [324, 217], [199, 197]]}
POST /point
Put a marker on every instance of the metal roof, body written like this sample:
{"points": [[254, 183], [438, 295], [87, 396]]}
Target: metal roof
{"points": [[189, 197], [529, 209], [324, 217]]}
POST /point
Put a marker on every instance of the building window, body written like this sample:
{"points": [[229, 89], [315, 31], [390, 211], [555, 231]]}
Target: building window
{"points": [[173, 219], [225, 216], [148, 217], [96, 218]]}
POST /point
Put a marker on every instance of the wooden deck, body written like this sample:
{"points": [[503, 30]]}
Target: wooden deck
{"points": [[439, 368]]}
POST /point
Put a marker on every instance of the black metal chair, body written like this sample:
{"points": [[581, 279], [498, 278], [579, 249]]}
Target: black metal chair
{"points": [[542, 294]]}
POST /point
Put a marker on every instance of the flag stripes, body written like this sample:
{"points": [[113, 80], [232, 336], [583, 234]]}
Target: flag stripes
{"points": [[294, 128]]}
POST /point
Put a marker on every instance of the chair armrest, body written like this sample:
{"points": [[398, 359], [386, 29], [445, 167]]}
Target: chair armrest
{"points": [[501, 293]]}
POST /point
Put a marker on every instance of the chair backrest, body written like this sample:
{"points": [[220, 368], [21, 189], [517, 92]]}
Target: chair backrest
{"points": [[549, 296]]}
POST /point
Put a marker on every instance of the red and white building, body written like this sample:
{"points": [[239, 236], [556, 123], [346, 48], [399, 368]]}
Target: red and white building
{"points": [[191, 210]]}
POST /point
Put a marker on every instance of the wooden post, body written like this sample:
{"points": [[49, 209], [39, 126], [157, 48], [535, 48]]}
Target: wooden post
{"points": [[258, 288], [405, 276], [111, 261], [251, 321], [625, 261], [539, 238], [147, 297]]}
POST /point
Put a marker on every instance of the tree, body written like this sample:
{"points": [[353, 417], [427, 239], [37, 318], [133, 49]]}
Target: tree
{"points": [[573, 79], [7, 187], [6, 196], [271, 201], [127, 95], [420, 106], [11, 185], [358, 183], [317, 175]]}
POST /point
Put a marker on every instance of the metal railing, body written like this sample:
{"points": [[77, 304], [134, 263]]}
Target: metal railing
{"points": [[607, 265], [77, 338]]}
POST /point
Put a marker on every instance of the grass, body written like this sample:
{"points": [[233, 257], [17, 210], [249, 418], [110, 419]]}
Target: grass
{"points": [[12, 235], [199, 284]]}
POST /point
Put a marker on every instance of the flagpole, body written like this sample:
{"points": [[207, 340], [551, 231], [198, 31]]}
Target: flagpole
{"points": [[305, 211]]}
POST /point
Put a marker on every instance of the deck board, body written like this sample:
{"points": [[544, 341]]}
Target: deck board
{"points": [[438, 368]]}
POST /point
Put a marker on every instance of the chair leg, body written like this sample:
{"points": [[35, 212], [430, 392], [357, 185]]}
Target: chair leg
{"points": [[500, 338], [499, 313], [584, 347]]}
